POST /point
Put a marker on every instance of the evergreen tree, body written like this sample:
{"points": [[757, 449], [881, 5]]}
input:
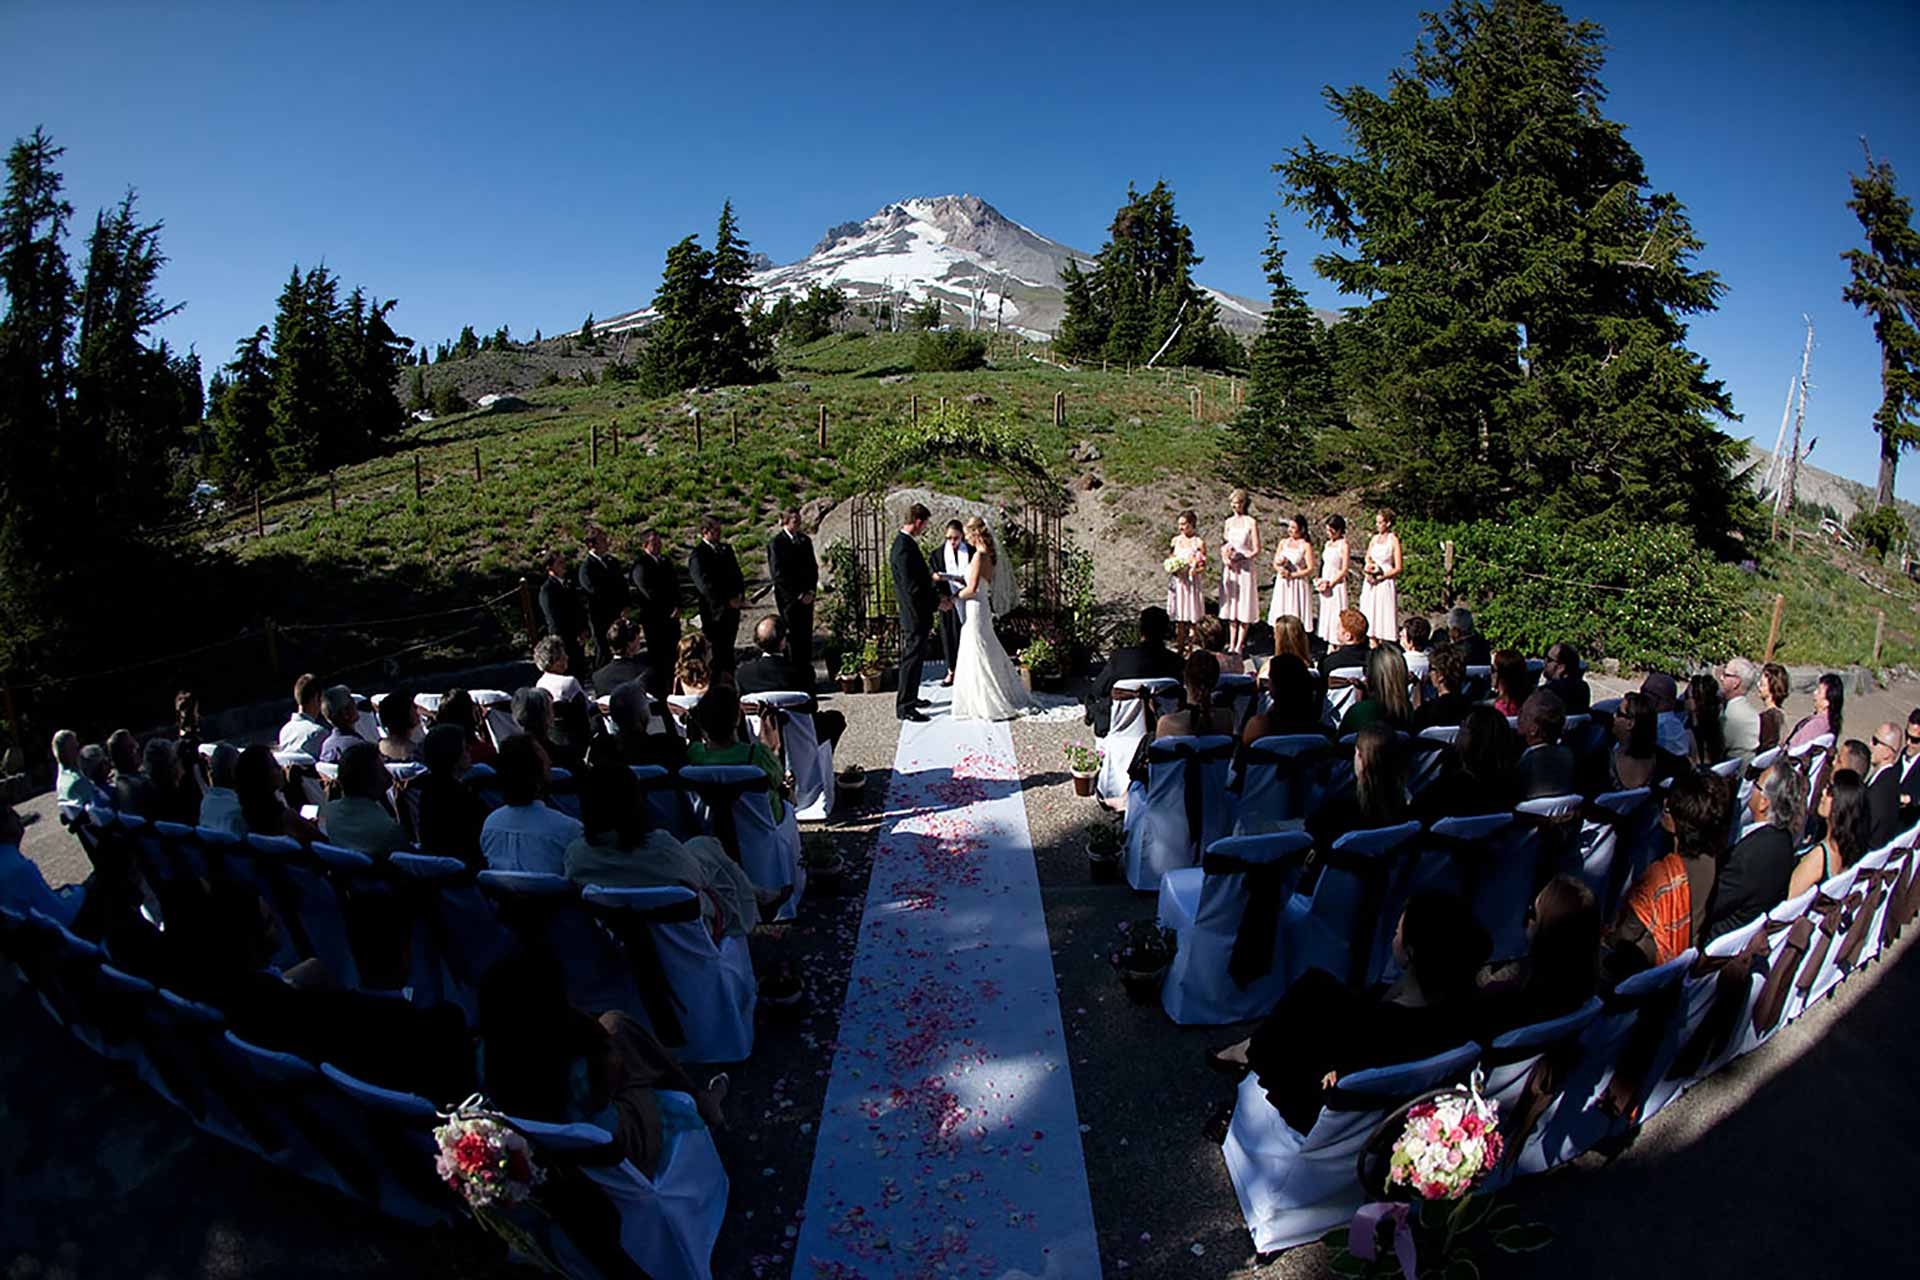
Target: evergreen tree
{"points": [[417, 390], [242, 417], [734, 355], [1885, 284], [588, 339], [1290, 390], [305, 386], [469, 344], [500, 339], [1527, 291], [676, 352], [926, 315]]}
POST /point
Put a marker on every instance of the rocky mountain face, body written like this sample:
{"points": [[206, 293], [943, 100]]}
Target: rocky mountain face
{"points": [[985, 269]]}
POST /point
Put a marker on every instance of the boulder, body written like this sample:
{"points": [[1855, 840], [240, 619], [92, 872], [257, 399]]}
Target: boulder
{"points": [[977, 397], [1085, 482], [813, 511], [1086, 451], [895, 379]]}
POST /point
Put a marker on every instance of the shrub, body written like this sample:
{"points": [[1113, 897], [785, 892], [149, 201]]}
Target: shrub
{"points": [[447, 399], [950, 352], [1647, 595], [1878, 531]]}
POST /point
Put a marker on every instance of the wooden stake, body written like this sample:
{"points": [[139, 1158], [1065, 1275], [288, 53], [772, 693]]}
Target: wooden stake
{"points": [[418, 490], [259, 520], [823, 428], [1446, 562], [733, 426], [913, 403], [1879, 633], [697, 434], [613, 429], [476, 465], [273, 649], [943, 411], [1773, 632], [333, 494], [526, 608]]}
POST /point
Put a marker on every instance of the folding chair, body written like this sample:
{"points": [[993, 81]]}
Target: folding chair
{"points": [[733, 800], [545, 912], [1137, 704], [1226, 912], [1280, 781], [804, 756], [1182, 809], [1344, 687], [1339, 926], [1524, 1071], [704, 991]]}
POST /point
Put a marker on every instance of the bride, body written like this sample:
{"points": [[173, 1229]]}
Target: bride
{"points": [[986, 685]]}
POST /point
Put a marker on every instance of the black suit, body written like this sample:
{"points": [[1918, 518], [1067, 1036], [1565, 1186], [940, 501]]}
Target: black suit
{"points": [[656, 582], [717, 582], [796, 573], [1443, 709], [1347, 655], [1572, 692], [776, 673], [947, 560], [1883, 805], [605, 586], [1909, 770], [1135, 662], [1476, 650], [566, 617], [1752, 881], [1547, 770], [919, 599], [619, 672]]}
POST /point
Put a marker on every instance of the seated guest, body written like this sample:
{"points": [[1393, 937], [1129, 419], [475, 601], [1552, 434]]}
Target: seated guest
{"points": [[1829, 702], [359, 819], [720, 742], [1754, 878], [96, 768], [1665, 909], [1480, 777], [1378, 797], [628, 708], [523, 834], [1212, 634], [620, 849], [1775, 685], [171, 800], [1670, 726], [261, 785], [343, 713], [1547, 766], [1195, 716], [305, 730], [626, 642], [772, 671], [1637, 759], [533, 711], [1386, 701], [1416, 634], [1703, 722], [1883, 785], [1561, 969], [1294, 702], [1149, 659], [1323, 1030], [1512, 681], [1353, 647], [70, 785], [457, 708], [1908, 767], [1474, 645], [1849, 828], [399, 727], [544, 1060], [186, 743], [1561, 674], [693, 667], [1447, 673], [220, 806], [22, 887], [550, 655], [571, 725], [1290, 636], [450, 813], [133, 791], [1739, 718]]}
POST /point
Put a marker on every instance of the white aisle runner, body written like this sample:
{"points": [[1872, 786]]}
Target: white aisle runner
{"points": [[950, 1145]]}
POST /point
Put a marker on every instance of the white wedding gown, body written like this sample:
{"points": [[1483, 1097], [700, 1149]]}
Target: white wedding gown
{"points": [[986, 684]]}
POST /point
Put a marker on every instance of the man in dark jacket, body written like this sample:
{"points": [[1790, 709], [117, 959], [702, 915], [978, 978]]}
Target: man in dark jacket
{"points": [[1883, 785], [774, 672], [1546, 768], [1148, 660], [1753, 880], [563, 611], [721, 589], [656, 587], [1353, 648], [796, 578], [623, 640], [1561, 676], [919, 599], [1472, 643], [604, 584]]}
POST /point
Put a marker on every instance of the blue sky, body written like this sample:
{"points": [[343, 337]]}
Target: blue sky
{"points": [[520, 164]]}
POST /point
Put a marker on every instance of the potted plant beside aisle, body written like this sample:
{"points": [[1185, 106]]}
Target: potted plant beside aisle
{"points": [[1039, 664], [1142, 957], [1103, 851], [1083, 762], [871, 672]]}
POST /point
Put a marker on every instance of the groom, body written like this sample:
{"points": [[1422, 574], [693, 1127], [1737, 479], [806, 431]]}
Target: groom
{"points": [[913, 585]]}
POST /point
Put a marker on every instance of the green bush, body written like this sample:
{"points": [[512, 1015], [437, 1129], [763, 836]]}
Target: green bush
{"points": [[1878, 531], [951, 352], [447, 399], [1647, 595]]}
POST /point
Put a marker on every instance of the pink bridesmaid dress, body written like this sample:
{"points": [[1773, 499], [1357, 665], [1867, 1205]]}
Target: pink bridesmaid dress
{"points": [[1240, 583], [1186, 593]]}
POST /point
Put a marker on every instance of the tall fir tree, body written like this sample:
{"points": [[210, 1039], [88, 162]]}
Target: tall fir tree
{"points": [[675, 356], [1290, 388], [1885, 285], [735, 355], [306, 373], [242, 417]]}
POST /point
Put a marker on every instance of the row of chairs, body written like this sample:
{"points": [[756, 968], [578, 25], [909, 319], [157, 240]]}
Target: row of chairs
{"points": [[1589, 1079], [364, 1141]]}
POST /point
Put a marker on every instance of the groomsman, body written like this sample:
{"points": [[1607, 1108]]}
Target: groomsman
{"points": [[656, 583], [562, 609], [605, 586], [721, 588], [952, 557], [796, 580]]}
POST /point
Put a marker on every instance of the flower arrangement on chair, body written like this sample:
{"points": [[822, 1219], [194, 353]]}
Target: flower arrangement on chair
{"points": [[491, 1168]]}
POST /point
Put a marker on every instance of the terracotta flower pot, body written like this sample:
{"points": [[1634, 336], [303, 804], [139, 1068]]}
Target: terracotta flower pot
{"points": [[849, 683], [1083, 783], [871, 681]]}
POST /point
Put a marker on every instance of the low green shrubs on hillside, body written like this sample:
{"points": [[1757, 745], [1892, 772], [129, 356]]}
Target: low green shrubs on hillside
{"points": [[953, 351], [1647, 595]]}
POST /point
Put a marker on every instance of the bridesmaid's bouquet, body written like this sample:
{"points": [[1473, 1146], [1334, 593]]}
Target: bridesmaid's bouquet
{"points": [[1176, 564]]}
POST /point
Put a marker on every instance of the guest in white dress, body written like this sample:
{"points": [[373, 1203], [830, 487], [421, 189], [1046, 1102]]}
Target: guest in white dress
{"points": [[1380, 596], [1239, 574], [1331, 586], [1293, 567]]}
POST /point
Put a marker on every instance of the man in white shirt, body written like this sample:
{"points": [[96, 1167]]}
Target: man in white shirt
{"points": [[73, 786], [523, 834], [950, 561], [220, 803], [305, 730], [1739, 718]]}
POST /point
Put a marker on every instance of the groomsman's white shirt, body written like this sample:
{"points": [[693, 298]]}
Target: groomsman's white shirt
{"points": [[956, 560]]}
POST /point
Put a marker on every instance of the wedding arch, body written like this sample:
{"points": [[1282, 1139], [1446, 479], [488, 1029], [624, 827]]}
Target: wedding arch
{"points": [[1032, 527]]}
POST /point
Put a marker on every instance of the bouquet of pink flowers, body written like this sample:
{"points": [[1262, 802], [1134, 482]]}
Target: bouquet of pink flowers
{"points": [[1448, 1143], [484, 1160]]}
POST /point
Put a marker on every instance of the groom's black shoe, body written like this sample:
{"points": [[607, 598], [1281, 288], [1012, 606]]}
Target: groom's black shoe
{"points": [[916, 717], [923, 702]]}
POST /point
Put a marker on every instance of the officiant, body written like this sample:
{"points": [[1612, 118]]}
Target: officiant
{"points": [[950, 561]]}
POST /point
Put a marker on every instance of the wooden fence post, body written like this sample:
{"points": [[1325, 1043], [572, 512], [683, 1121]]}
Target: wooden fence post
{"points": [[733, 426], [476, 465], [1773, 632], [943, 411], [526, 608], [1879, 633], [913, 402], [613, 430], [333, 494], [823, 428], [418, 490], [273, 649], [593, 446], [698, 437], [259, 519]]}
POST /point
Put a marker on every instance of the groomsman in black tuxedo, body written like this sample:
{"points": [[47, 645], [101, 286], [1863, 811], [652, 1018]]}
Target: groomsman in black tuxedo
{"points": [[919, 598], [721, 588], [656, 585], [563, 611], [605, 586], [796, 578], [952, 557]]}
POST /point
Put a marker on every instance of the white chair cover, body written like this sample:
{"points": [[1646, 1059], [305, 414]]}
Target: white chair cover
{"points": [[1447, 733], [809, 760], [1235, 692], [1505, 891], [1780, 931], [1294, 1187], [1206, 905], [545, 912], [1280, 781], [1730, 768], [1699, 991], [1510, 1061], [1339, 927], [1617, 827], [1126, 727], [1184, 775], [769, 851], [1843, 900], [1340, 700], [713, 985], [670, 801], [1762, 762], [456, 937]]}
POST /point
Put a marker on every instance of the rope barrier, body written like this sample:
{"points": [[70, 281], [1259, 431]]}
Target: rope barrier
{"points": [[388, 622], [61, 681]]}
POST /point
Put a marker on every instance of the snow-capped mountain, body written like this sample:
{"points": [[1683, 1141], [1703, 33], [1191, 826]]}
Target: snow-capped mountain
{"points": [[985, 268]]}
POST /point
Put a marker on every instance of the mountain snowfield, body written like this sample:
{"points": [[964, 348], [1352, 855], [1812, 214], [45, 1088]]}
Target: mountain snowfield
{"points": [[987, 270]]}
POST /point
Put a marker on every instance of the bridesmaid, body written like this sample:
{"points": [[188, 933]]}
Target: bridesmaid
{"points": [[1293, 565], [1186, 592], [1239, 583], [1331, 586], [1380, 596]]}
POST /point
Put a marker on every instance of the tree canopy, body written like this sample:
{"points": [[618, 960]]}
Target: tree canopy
{"points": [[1291, 399], [1885, 285], [705, 333]]}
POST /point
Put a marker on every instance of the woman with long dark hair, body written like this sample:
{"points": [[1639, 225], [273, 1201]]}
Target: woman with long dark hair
{"points": [[1849, 824], [1703, 721], [262, 787], [1774, 687], [1480, 778], [1294, 702], [1829, 701], [1561, 969], [1636, 759]]}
